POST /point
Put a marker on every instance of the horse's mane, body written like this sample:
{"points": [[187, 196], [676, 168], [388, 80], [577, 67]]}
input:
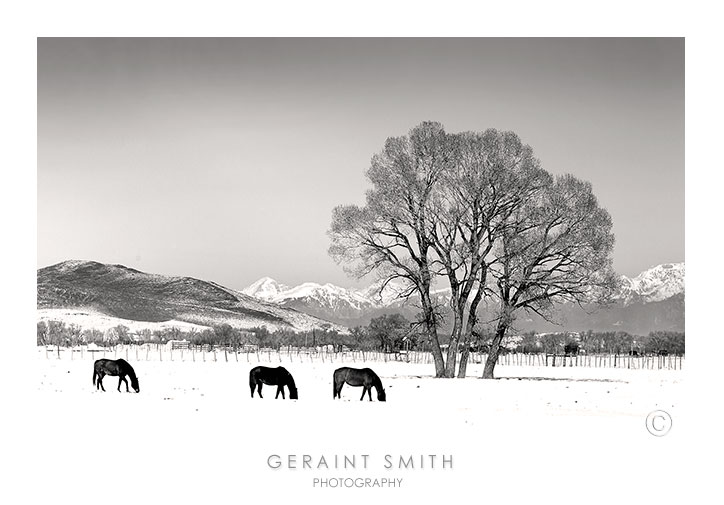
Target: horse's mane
{"points": [[290, 381], [128, 369]]}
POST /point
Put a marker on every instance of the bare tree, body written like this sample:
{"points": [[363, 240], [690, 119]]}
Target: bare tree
{"points": [[492, 174], [465, 209], [556, 247], [390, 234]]}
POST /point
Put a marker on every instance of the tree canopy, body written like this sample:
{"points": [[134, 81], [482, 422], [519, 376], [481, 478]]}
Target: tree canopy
{"points": [[474, 212]]}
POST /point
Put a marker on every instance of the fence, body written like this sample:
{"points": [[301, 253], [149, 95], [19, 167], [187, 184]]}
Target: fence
{"points": [[161, 352]]}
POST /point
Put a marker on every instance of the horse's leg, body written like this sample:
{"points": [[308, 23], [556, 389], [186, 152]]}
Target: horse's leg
{"points": [[124, 380], [253, 387], [259, 389], [364, 390], [280, 389], [100, 381], [369, 392]]}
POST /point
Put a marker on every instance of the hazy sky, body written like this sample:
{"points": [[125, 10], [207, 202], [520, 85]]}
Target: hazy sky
{"points": [[223, 158]]}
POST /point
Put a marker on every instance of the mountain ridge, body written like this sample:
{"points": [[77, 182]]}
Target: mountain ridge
{"points": [[120, 292], [661, 285]]}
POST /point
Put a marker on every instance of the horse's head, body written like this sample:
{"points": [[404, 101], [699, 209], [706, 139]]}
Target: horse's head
{"points": [[134, 384], [293, 393], [381, 395]]}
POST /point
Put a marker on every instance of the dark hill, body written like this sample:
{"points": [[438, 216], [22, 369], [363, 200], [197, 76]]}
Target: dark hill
{"points": [[123, 292]]}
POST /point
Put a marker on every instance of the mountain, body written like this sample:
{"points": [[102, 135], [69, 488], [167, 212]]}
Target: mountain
{"points": [[94, 294], [654, 285], [653, 300], [265, 288]]}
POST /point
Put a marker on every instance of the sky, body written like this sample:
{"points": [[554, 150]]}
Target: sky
{"points": [[222, 159]]}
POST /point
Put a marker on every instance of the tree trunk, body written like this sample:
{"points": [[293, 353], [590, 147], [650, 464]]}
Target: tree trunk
{"points": [[464, 354], [452, 349], [432, 332], [495, 347], [470, 324], [439, 361]]}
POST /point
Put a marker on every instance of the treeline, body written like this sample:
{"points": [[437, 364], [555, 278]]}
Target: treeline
{"points": [[387, 333], [60, 333], [590, 342]]}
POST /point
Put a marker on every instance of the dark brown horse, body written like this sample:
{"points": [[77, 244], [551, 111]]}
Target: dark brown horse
{"points": [[278, 377], [364, 377], [117, 367]]}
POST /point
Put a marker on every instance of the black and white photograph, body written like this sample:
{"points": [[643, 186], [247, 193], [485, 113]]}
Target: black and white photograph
{"points": [[343, 269]]}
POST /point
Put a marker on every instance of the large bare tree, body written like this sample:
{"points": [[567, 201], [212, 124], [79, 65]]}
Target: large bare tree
{"points": [[465, 209]]}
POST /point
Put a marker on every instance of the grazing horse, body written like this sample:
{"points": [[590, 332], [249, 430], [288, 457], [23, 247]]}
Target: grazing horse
{"points": [[278, 377], [358, 377], [119, 367]]}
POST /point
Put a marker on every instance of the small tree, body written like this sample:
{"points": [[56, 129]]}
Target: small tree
{"points": [[74, 334], [262, 335], [123, 334], [42, 338], [389, 330], [56, 332]]}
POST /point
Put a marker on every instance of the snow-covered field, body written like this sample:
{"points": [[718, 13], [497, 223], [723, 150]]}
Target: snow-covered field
{"points": [[194, 435]]}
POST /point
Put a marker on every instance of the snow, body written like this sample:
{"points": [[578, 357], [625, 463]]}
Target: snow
{"points": [[194, 435], [86, 318]]}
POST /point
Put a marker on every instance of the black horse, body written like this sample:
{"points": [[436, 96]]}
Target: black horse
{"points": [[115, 367], [358, 377], [278, 377]]}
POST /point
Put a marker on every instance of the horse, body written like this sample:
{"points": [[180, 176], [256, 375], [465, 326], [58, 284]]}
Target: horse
{"points": [[358, 377], [119, 367], [278, 377]]}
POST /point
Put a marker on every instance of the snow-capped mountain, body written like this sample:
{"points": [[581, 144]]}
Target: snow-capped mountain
{"points": [[265, 288], [653, 299], [326, 295], [655, 284]]}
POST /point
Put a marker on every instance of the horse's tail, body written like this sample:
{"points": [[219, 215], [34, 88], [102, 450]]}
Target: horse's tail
{"points": [[95, 374], [337, 381]]}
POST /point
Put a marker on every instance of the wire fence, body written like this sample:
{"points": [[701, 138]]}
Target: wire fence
{"points": [[249, 354]]}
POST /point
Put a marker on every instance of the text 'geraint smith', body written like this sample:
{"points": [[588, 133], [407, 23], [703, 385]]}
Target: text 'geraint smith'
{"points": [[360, 461]]}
